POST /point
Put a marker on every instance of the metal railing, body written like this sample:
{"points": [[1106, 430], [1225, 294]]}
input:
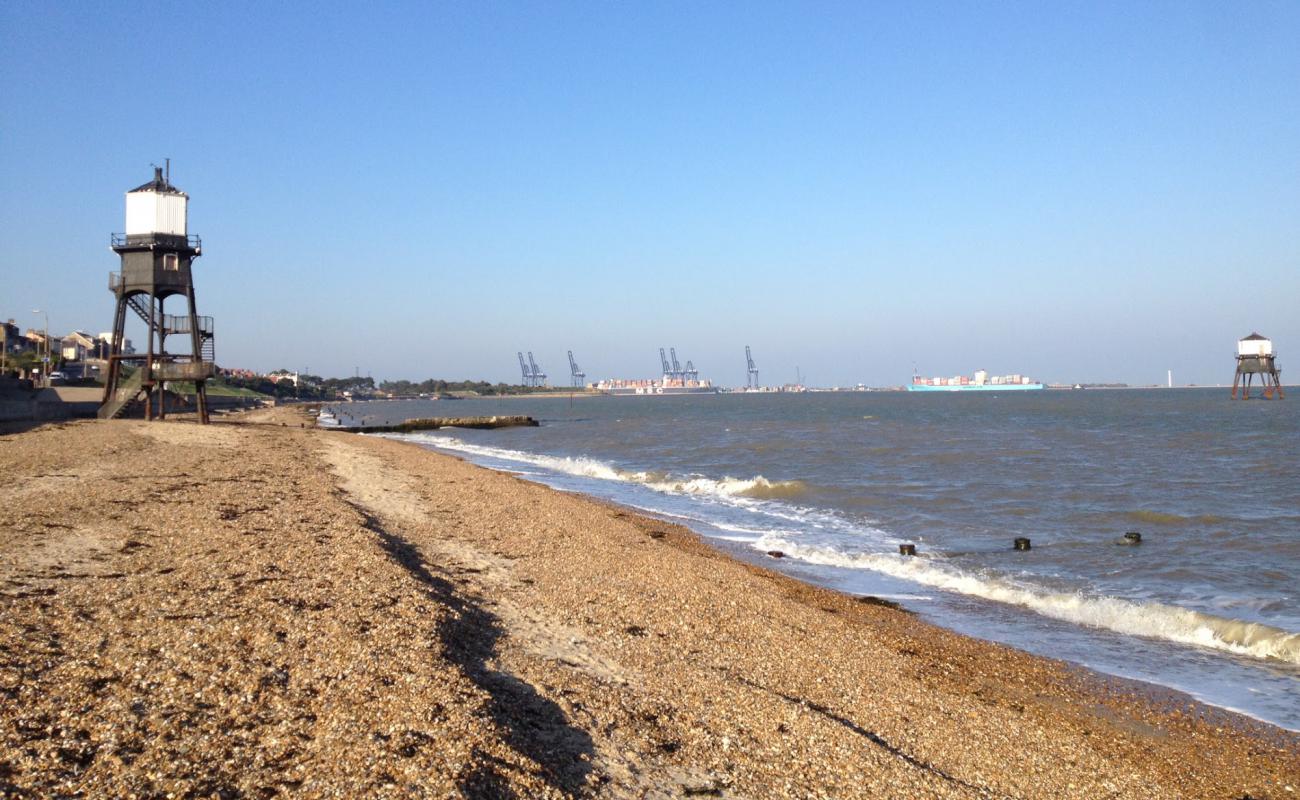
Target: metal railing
{"points": [[114, 281], [192, 241], [180, 323]]}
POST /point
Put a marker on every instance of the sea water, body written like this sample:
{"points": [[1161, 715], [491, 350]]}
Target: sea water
{"points": [[1206, 604]]}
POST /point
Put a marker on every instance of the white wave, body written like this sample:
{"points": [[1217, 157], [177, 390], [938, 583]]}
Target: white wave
{"points": [[1130, 617], [727, 526], [581, 466], [756, 487]]}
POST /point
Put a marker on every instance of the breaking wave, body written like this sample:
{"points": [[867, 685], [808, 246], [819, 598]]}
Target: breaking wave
{"points": [[1130, 617], [756, 487]]}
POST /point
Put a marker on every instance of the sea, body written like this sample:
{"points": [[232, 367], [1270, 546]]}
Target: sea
{"points": [[1206, 604]]}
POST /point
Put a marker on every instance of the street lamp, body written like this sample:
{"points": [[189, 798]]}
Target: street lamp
{"points": [[45, 368]]}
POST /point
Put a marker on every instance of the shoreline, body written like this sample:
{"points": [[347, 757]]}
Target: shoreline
{"points": [[271, 607], [1163, 695]]}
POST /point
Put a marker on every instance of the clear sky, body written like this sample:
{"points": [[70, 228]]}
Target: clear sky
{"points": [[1083, 191]]}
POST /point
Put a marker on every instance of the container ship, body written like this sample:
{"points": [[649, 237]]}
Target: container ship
{"points": [[665, 385], [981, 381]]}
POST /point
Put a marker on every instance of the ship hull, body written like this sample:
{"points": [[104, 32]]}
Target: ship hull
{"points": [[972, 387]]}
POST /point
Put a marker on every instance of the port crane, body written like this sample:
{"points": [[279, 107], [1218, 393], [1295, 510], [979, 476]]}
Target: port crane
{"points": [[668, 368], [691, 372], [539, 377], [523, 368], [677, 368], [576, 376], [751, 381]]}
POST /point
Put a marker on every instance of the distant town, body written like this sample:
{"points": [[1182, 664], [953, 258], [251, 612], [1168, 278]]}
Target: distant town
{"points": [[81, 359]]}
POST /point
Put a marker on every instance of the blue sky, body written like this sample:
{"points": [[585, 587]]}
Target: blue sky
{"points": [[1074, 191]]}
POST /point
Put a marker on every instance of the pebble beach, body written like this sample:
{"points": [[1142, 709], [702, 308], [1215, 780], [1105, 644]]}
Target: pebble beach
{"points": [[259, 608]]}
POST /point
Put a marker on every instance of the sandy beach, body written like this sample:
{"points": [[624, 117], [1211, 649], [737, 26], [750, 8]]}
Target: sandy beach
{"points": [[256, 608]]}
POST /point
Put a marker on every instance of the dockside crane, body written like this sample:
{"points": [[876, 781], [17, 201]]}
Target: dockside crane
{"points": [[539, 377], [751, 380], [528, 377], [668, 369], [677, 368], [576, 376], [691, 372]]}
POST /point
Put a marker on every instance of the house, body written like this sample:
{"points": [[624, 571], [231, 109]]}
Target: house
{"points": [[11, 337], [78, 346], [283, 376], [35, 340], [105, 343]]}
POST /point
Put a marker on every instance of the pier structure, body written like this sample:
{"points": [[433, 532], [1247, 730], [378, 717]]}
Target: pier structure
{"points": [[157, 252], [1255, 356]]}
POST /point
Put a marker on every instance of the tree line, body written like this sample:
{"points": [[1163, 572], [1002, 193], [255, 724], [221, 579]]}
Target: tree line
{"points": [[440, 386]]}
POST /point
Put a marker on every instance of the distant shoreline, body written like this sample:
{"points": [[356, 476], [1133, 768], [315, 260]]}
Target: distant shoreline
{"points": [[583, 393]]}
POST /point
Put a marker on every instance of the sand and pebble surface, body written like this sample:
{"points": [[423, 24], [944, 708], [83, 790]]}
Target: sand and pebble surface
{"points": [[254, 608]]}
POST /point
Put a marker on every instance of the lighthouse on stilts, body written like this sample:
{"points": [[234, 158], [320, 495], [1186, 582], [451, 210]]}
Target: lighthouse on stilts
{"points": [[1255, 357], [157, 252]]}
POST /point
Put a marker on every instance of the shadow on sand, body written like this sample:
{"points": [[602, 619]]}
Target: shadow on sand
{"points": [[532, 725]]}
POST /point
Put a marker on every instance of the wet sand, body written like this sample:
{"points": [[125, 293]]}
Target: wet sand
{"points": [[253, 608]]}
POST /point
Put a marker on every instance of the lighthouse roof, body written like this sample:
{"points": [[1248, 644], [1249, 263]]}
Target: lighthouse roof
{"points": [[158, 184], [1255, 337]]}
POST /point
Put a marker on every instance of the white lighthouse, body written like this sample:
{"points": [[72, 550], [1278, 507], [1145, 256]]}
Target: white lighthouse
{"points": [[1255, 357]]}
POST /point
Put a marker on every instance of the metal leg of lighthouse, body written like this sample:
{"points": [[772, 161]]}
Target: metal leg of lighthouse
{"points": [[115, 350], [162, 355], [148, 361], [196, 345]]}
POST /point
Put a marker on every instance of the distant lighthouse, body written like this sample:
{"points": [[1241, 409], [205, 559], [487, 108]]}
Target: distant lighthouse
{"points": [[1255, 357]]}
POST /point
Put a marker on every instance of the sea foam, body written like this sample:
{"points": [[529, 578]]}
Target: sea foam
{"points": [[757, 487], [1130, 617]]}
